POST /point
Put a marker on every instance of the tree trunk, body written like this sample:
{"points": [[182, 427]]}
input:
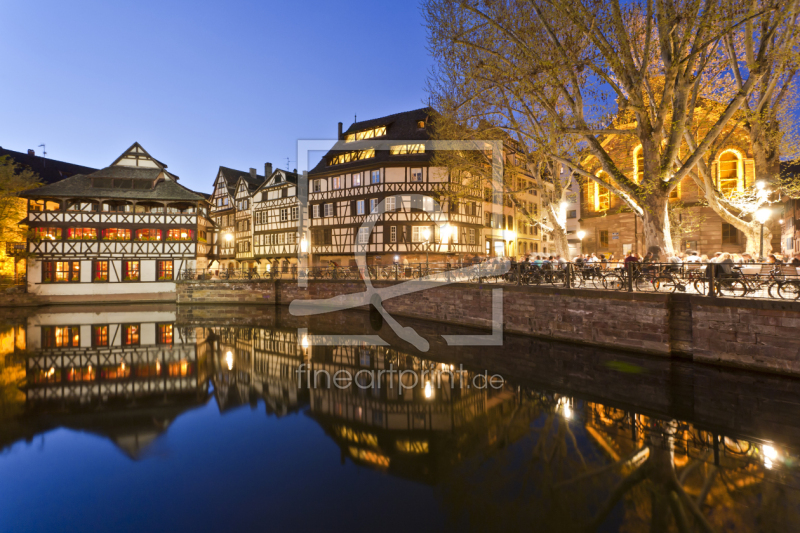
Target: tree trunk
{"points": [[752, 234], [560, 241], [655, 222]]}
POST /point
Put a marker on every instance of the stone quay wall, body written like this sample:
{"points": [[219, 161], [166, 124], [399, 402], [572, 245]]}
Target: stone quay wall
{"points": [[755, 334]]}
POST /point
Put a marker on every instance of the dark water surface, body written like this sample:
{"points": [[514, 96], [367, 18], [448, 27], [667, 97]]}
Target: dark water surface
{"points": [[157, 418]]}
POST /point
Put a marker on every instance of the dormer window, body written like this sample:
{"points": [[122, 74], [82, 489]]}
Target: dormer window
{"points": [[421, 124], [380, 131]]}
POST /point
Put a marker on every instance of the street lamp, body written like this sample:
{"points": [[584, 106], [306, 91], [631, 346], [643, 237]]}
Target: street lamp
{"points": [[581, 235], [762, 215], [426, 234]]}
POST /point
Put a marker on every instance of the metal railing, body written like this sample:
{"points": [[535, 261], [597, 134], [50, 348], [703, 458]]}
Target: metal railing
{"points": [[15, 248], [729, 280]]}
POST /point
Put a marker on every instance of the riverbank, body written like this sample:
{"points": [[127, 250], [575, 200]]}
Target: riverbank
{"points": [[761, 335]]}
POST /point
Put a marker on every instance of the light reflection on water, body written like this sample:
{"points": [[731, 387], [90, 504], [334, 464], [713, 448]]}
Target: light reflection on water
{"points": [[152, 418]]}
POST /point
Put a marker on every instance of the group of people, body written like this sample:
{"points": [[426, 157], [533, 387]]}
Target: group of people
{"points": [[609, 261]]}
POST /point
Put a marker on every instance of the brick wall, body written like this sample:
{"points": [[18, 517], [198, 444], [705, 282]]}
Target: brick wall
{"points": [[253, 292]]}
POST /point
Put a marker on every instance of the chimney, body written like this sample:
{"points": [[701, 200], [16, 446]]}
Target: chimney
{"points": [[267, 170], [31, 152], [294, 171], [253, 173], [340, 131]]}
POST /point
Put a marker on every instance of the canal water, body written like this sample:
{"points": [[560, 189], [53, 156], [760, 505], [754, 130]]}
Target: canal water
{"points": [[224, 418]]}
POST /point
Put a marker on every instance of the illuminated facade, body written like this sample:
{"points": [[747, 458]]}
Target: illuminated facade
{"points": [[357, 178], [126, 229]]}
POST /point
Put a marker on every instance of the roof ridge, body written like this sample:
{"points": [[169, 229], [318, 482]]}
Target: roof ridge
{"points": [[426, 108]]}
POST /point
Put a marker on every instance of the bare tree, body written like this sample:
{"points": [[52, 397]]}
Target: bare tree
{"points": [[587, 69]]}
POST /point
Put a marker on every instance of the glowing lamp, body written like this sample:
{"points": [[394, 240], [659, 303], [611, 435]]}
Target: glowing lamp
{"points": [[762, 215], [229, 360], [426, 234], [760, 185], [304, 245], [304, 342], [228, 237], [581, 234], [428, 390]]}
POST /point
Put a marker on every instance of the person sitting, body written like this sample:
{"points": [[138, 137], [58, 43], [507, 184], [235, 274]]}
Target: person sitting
{"points": [[693, 258], [795, 261]]}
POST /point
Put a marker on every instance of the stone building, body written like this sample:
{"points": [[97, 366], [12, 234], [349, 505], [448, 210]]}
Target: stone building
{"points": [[611, 227]]}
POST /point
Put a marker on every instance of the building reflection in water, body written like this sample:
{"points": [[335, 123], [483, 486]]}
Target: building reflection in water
{"points": [[502, 458], [123, 374]]}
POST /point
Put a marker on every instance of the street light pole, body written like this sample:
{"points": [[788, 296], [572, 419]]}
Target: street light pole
{"points": [[762, 215]]}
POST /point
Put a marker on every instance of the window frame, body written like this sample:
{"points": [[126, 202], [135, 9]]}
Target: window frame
{"points": [[126, 270], [96, 344], [160, 269], [129, 342], [159, 336], [95, 265]]}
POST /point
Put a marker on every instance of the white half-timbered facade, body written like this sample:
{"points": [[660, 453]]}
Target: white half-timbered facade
{"points": [[231, 212], [126, 229], [356, 179], [276, 213]]}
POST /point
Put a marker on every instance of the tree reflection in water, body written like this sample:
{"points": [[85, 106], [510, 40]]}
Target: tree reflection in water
{"points": [[569, 465]]}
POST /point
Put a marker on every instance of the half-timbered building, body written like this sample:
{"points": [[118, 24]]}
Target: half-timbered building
{"points": [[126, 229], [387, 162], [231, 212], [276, 212]]}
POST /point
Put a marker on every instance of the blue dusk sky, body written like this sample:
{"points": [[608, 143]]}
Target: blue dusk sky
{"points": [[202, 83]]}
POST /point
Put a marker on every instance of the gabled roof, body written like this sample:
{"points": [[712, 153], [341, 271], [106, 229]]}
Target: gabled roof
{"points": [[136, 164], [399, 127], [137, 156], [232, 177], [48, 170], [278, 178]]}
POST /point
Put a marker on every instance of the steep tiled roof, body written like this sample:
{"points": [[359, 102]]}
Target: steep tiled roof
{"points": [[49, 170], [399, 127], [81, 186], [232, 177]]}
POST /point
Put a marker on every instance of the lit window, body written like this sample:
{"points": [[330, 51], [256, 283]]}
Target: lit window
{"points": [[148, 234], [164, 334], [380, 131], [99, 336], [602, 197], [81, 233], [130, 334], [100, 271], [348, 157], [164, 270], [182, 234], [61, 336], [130, 270], [116, 234], [61, 271], [638, 164], [50, 234], [730, 168], [401, 149]]}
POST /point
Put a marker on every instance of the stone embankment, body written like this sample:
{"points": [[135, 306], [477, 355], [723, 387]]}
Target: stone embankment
{"points": [[756, 334]]}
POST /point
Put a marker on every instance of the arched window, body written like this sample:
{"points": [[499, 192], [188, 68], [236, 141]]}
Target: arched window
{"points": [[730, 173], [602, 197]]}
